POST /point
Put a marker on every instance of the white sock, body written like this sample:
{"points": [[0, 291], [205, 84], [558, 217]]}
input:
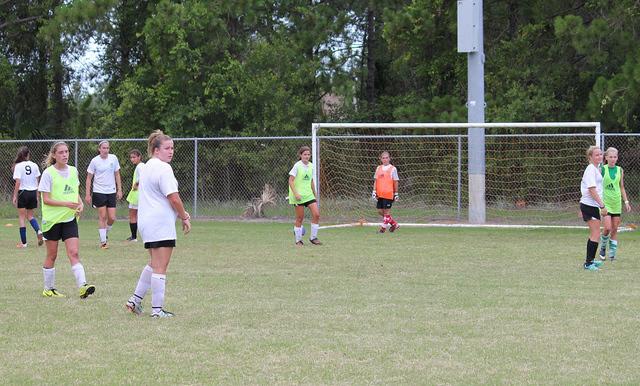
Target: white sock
{"points": [[157, 291], [314, 231], [103, 235], [143, 284], [298, 232], [78, 272], [49, 278]]}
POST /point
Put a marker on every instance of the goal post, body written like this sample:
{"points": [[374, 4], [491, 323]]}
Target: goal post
{"points": [[517, 183]]}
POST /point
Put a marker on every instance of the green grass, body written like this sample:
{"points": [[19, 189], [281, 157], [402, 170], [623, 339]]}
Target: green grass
{"points": [[421, 306]]}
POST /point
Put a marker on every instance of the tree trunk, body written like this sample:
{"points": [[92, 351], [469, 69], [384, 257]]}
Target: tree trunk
{"points": [[370, 85]]}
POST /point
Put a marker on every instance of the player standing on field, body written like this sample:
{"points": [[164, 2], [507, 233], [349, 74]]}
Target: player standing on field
{"points": [[61, 204], [136, 158], [385, 191], [159, 204], [302, 193], [613, 194], [107, 188], [25, 193], [591, 205]]}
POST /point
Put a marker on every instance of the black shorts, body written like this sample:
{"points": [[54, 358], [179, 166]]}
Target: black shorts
{"points": [[28, 199], [589, 212], [306, 204], [613, 214], [62, 230], [98, 200], [384, 203], [160, 244]]}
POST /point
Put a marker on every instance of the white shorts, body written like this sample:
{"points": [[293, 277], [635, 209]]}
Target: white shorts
{"points": [[133, 206]]}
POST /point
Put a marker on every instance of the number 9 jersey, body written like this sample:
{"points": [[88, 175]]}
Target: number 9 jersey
{"points": [[27, 172]]}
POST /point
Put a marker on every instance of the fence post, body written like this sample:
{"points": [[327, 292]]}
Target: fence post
{"points": [[195, 178], [459, 176], [75, 153]]}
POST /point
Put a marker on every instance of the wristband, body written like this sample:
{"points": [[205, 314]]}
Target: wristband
{"points": [[626, 201]]}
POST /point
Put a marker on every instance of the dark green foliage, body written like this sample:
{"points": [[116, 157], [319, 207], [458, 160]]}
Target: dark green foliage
{"points": [[229, 68]]}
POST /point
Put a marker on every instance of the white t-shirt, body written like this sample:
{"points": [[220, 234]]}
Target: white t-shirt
{"points": [[156, 217], [27, 172], [45, 181], [590, 178], [136, 172], [394, 172], [294, 169], [103, 170]]}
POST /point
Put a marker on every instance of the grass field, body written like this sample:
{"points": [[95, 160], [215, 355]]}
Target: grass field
{"points": [[421, 306]]}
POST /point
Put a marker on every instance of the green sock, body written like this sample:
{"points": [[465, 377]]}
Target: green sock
{"points": [[603, 244], [613, 248]]}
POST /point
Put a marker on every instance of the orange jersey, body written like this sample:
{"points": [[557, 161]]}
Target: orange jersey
{"points": [[384, 182]]}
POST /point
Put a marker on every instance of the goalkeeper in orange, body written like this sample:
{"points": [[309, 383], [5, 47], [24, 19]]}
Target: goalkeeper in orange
{"points": [[385, 191]]}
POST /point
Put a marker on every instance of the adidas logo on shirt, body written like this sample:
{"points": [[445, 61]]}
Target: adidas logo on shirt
{"points": [[67, 189]]}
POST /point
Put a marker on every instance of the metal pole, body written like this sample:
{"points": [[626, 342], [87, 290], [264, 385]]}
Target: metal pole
{"points": [[459, 176], [75, 154], [315, 153], [476, 105], [195, 179]]}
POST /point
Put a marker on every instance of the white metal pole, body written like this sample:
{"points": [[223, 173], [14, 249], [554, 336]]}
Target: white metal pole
{"points": [[315, 153], [195, 178]]}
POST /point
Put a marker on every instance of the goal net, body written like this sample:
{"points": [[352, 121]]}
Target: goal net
{"points": [[532, 171]]}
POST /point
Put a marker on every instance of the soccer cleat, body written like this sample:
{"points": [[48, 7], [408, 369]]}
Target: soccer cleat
{"points": [[86, 290], [394, 227], [40, 239], [590, 267], [20, 245], [597, 263], [315, 241], [52, 293], [162, 314], [612, 258], [104, 245], [134, 308], [131, 239], [299, 243]]}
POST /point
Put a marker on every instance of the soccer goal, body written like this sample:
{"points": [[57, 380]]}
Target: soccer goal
{"points": [[532, 170]]}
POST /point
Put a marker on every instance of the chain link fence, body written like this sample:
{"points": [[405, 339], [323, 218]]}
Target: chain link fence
{"points": [[237, 178]]}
